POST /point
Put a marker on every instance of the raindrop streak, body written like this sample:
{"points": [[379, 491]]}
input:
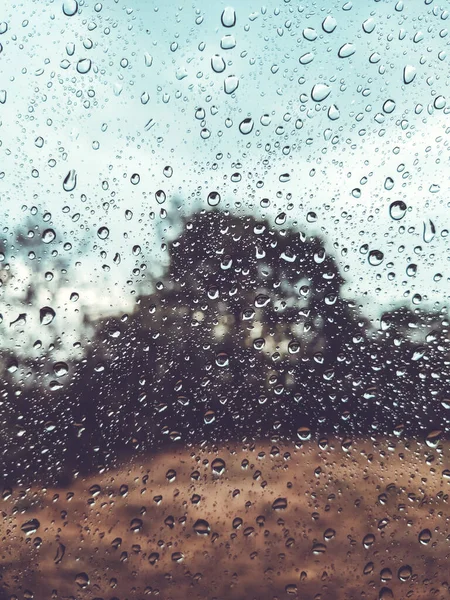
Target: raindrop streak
{"points": [[46, 315], [70, 7], [70, 181]]}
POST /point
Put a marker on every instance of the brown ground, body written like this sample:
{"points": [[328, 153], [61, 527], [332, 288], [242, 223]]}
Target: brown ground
{"points": [[350, 529]]}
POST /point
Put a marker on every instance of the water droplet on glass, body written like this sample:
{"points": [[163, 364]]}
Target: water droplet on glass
{"points": [[333, 112], [280, 504], [136, 525], [404, 573], [168, 171], [389, 106], [160, 196], [82, 580], [310, 34], [218, 466], [46, 315], [246, 126], [425, 536], [48, 236], [213, 198], [397, 210], [201, 527], [329, 24], [230, 84], [84, 65], [304, 433], [60, 369], [228, 42], [429, 231], [346, 50], [306, 58], [60, 551], [368, 540], [375, 257], [70, 7], [388, 183], [30, 527], [70, 181], [135, 178], [409, 74], [369, 25], [217, 63], [439, 102], [228, 17], [103, 233], [320, 92]]}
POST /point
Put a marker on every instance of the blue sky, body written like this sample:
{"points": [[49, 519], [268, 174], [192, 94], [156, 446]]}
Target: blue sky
{"points": [[119, 89]]}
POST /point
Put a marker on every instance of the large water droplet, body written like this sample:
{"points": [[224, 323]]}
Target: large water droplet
{"points": [[70, 7], [30, 527], [230, 84], [310, 34], [103, 233], [375, 257], [246, 126], [369, 25], [84, 65], [320, 92], [218, 466], [217, 63], [46, 315], [202, 527], [425, 536], [409, 74], [48, 236], [213, 198], [397, 210], [329, 24], [228, 17], [346, 50]]}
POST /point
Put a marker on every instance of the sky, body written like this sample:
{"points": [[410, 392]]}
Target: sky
{"points": [[339, 122]]}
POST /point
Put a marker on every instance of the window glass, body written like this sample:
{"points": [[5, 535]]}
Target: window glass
{"points": [[224, 279]]}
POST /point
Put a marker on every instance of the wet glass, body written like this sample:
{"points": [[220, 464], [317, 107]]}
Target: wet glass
{"points": [[224, 282]]}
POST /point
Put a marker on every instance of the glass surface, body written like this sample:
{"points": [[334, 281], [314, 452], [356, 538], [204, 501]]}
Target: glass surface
{"points": [[224, 269]]}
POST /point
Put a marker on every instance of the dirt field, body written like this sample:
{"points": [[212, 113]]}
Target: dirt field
{"points": [[370, 521]]}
